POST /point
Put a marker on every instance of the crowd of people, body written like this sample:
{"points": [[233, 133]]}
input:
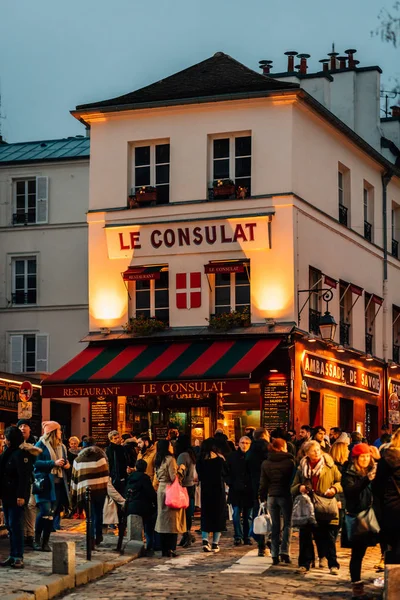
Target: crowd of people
{"points": [[341, 477]]}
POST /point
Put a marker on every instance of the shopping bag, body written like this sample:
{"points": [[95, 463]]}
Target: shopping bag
{"points": [[262, 524], [176, 496], [363, 528], [303, 511]]}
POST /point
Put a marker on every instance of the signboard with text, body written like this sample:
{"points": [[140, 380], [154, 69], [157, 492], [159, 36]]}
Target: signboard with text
{"points": [[102, 418], [275, 404]]}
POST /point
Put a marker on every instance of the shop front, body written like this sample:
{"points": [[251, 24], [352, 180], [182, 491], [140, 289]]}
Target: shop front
{"points": [[13, 408], [338, 390], [194, 386]]}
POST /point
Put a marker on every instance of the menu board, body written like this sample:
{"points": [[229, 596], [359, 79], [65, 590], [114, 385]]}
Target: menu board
{"points": [[102, 418], [275, 406], [161, 432]]}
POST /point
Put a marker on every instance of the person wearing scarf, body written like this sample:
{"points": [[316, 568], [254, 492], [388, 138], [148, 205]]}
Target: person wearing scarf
{"points": [[317, 473], [50, 470]]}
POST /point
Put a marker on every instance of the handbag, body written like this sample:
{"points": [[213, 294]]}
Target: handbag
{"points": [[326, 509], [303, 511], [39, 483], [363, 528], [176, 496], [262, 524]]}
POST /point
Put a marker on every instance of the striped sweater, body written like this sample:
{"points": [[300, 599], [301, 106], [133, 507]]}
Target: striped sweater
{"points": [[90, 469]]}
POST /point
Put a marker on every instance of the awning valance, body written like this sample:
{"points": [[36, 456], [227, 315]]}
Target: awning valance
{"points": [[159, 368], [234, 266], [141, 273]]}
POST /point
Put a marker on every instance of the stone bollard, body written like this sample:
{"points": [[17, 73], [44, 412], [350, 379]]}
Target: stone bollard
{"points": [[135, 528], [64, 558]]}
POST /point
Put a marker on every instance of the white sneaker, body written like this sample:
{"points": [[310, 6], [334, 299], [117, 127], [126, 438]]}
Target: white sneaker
{"points": [[215, 548], [206, 546]]}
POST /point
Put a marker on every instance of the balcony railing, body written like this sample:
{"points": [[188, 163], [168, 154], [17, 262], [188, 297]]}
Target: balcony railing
{"points": [[23, 218], [344, 333], [368, 231], [395, 248], [313, 321], [369, 341], [22, 297], [343, 210], [396, 353]]}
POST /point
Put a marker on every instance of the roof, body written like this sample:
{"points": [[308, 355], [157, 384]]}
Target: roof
{"points": [[218, 75], [47, 150]]}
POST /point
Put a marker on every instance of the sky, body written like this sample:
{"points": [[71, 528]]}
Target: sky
{"points": [[57, 54]]}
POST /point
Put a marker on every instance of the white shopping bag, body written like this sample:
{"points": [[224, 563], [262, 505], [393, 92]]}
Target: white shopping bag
{"points": [[262, 524]]}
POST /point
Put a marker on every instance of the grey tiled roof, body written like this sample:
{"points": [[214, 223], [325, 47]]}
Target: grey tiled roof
{"points": [[218, 75], [64, 149]]}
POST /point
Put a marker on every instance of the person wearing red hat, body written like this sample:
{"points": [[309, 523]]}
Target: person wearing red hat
{"points": [[357, 487]]}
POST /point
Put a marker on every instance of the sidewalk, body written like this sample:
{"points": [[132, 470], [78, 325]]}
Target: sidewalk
{"points": [[36, 582]]}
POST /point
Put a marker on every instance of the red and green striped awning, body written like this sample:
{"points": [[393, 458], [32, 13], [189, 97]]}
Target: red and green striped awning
{"points": [[159, 368]]}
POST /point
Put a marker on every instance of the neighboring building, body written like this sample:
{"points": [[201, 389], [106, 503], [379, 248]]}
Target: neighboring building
{"points": [[44, 188], [220, 189]]}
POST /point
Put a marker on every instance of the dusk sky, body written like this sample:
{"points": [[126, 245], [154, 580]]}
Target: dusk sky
{"points": [[55, 55]]}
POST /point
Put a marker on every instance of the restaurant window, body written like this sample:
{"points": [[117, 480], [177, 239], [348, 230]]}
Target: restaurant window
{"points": [[314, 310], [231, 160], [30, 203], [232, 291], [369, 323], [344, 194], [151, 169], [368, 197], [24, 280], [345, 313], [396, 333], [150, 298], [29, 353]]}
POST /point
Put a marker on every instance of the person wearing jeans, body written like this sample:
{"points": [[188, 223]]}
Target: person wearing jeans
{"points": [[254, 458], [142, 500], [276, 476], [240, 492]]}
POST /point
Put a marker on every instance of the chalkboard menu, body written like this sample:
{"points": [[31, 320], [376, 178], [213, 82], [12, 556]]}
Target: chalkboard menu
{"points": [[102, 418], [276, 404], [160, 432]]}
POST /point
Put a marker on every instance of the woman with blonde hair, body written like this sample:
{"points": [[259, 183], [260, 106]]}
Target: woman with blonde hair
{"points": [[50, 485]]}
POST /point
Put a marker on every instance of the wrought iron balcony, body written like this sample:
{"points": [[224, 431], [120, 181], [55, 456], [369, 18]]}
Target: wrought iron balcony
{"points": [[368, 231], [343, 210], [369, 342], [23, 218], [313, 320], [22, 297], [344, 333], [396, 353], [395, 248]]}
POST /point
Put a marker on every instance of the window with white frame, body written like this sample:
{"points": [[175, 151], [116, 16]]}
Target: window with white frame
{"points": [[30, 204], [369, 323], [368, 197], [29, 352], [231, 160], [395, 229], [24, 280], [344, 194], [150, 297], [151, 167], [232, 291], [346, 310]]}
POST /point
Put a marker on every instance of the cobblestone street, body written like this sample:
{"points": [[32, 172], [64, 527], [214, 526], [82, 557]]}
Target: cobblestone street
{"points": [[234, 573]]}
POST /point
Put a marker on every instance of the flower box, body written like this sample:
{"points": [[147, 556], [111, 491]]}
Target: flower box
{"points": [[230, 320], [142, 325], [224, 190]]}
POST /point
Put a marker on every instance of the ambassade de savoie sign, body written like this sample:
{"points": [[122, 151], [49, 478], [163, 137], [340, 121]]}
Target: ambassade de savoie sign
{"points": [[340, 373]]}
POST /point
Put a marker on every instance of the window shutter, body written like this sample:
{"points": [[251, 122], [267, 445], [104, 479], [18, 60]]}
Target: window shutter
{"points": [[42, 192], [42, 352], [16, 353]]}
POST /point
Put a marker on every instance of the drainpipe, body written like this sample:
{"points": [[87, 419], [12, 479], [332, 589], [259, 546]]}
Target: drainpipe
{"points": [[386, 177]]}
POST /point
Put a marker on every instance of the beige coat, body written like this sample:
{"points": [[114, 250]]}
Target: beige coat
{"points": [[169, 520], [149, 456], [110, 513]]}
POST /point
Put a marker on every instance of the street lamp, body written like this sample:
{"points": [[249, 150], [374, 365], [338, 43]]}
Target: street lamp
{"points": [[327, 326]]}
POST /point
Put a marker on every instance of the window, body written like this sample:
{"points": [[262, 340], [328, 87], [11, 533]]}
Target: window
{"points": [[368, 195], [151, 168], [30, 201], [345, 313], [369, 323], [150, 297], [232, 291], [314, 311], [29, 353], [344, 194], [231, 159], [395, 229], [396, 333], [24, 280]]}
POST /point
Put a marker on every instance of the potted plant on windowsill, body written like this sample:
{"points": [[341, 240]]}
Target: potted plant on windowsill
{"points": [[230, 320], [224, 187], [142, 325], [147, 193]]}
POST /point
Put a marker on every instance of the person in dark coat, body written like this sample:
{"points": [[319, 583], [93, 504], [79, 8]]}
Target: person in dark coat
{"points": [[15, 486], [221, 443], [117, 461], [240, 494], [211, 471], [254, 457], [276, 477], [142, 501], [24, 425]]}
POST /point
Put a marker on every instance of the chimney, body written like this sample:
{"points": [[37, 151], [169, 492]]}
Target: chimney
{"points": [[350, 53], [395, 110], [303, 63], [290, 65], [325, 64], [333, 56], [266, 66], [342, 62]]}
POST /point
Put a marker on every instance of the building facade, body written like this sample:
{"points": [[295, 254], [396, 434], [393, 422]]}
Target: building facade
{"points": [[44, 189], [223, 205]]}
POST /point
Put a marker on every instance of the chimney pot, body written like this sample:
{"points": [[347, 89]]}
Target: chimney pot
{"points": [[350, 52], [395, 110], [333, 56], [266, 66], [342, 62], [291, 54], [325, 64], [303, 63]]}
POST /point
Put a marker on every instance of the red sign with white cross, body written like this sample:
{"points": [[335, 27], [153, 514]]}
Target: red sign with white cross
{"points": [[188, 290]]}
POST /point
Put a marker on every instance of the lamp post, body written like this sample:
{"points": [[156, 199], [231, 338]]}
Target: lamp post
{"points": [[327, 324]]}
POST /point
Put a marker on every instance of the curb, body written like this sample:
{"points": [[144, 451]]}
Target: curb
{"points": [[54, 585]]}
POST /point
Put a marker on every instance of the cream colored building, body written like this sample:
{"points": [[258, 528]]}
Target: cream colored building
{"points": [[314, 206], [44, 189]]}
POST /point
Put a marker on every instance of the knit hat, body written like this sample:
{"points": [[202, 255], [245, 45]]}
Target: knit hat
{"points": [[49, 426], [360, 449], [23, 422]]}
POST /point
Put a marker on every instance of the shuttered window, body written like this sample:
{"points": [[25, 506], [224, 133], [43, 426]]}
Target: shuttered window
{"points": [[31, 200], [29, 353]]}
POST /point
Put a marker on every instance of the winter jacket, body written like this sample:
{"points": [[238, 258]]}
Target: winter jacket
{"points": [[130, 446], [255, 456], [386, 488], [118, 462], [185, 459], [16, 473], [42, 469], [110, 512], [239, 480], [357, 490], [276, 475], [169, 520], [149, 455], [142, 497], [90, 469]]}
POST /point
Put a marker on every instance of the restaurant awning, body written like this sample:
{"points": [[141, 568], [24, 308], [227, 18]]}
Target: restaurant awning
{"points": [[141, 273], [159, 368], [231, 266]]}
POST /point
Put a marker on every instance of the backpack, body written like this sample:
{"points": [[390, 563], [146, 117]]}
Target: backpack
{"points": [[303, 511]]}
